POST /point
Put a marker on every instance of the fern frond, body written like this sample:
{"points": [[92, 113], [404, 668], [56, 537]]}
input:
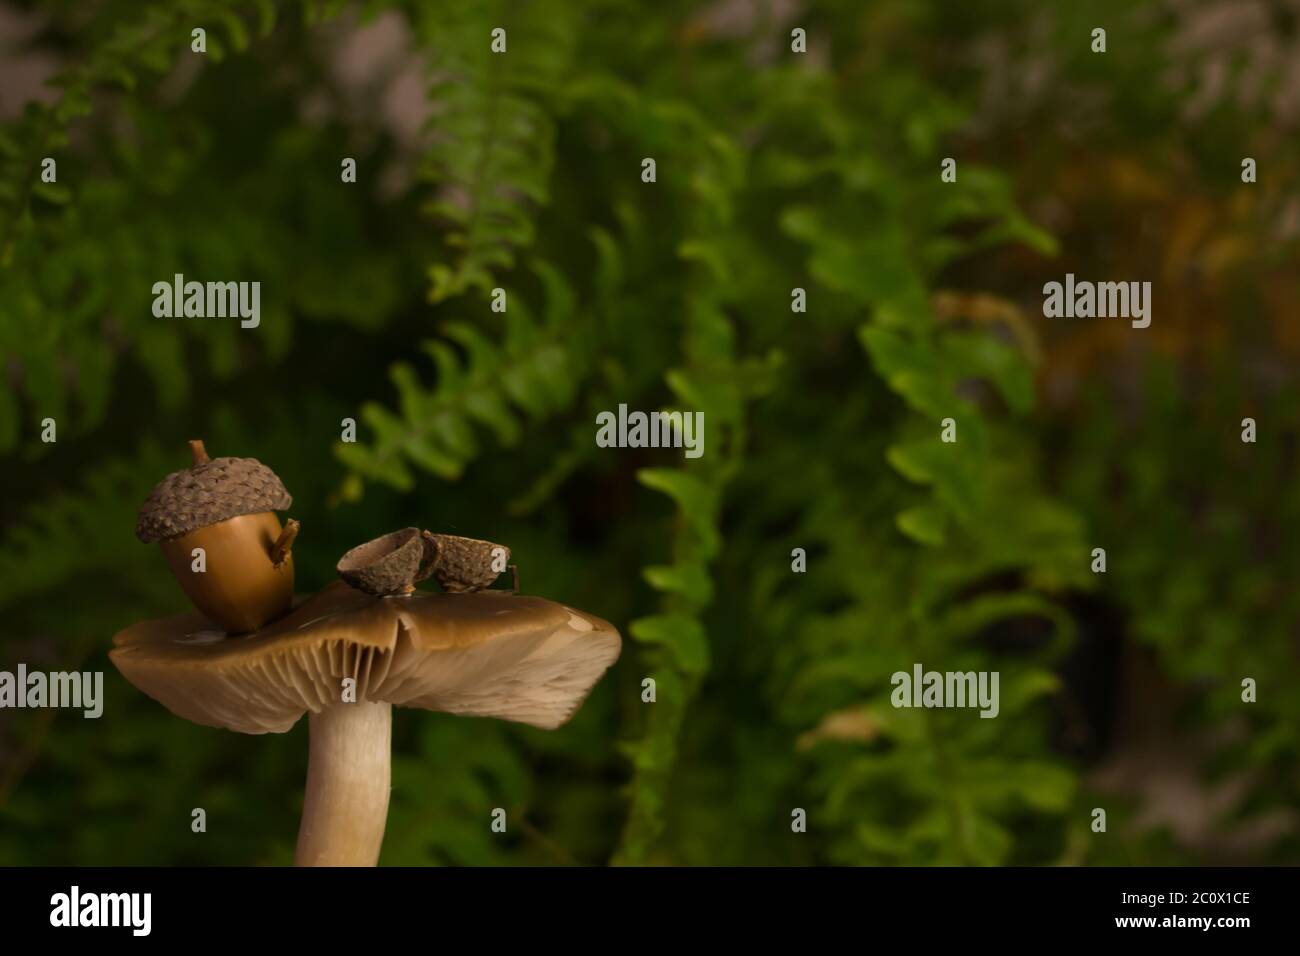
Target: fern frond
{"points": [[70, 316], [72, 305], [152, 40], [714, 382], [534, 373], [493, 130], [87, 530]]}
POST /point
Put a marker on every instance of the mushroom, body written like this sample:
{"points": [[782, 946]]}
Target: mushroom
{"points": [[347, 658]]}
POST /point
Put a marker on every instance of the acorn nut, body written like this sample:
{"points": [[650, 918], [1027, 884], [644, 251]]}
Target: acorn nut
{"points": [[216, 524]]}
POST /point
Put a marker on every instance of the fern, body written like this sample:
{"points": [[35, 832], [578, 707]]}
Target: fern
{"points": [[74, 307], [152, 41], [1196, 615], [675, 641], [905, 565], [82, 532], [533, 373], [714, 383], [493, 136]]}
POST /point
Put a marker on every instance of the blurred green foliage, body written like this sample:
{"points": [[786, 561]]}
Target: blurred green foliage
{"points": [[774, 171]]}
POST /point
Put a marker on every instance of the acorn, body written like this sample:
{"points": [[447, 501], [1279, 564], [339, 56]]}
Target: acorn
{"points": [[467, 564], [243, 576]]}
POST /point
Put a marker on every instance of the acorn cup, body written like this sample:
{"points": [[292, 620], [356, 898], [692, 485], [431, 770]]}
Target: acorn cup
{"points": [[467, 564], [226, 507], [388, 565]]}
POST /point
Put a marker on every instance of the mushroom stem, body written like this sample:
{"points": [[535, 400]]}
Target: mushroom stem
{"points": [[345, 807], [198, 453]]}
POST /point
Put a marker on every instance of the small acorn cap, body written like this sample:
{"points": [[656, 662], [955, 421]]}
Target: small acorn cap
{"points": [[211, 490], [486, 654], [464, 564], [386, 565]]}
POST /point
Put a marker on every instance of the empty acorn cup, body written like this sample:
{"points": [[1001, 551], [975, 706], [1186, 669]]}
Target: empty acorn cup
{"points": [[467, 564], [390, 564]]}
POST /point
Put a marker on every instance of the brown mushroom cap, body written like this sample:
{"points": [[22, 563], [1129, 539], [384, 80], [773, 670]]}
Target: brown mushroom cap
{"points": [[207, 493], [486, 654]]}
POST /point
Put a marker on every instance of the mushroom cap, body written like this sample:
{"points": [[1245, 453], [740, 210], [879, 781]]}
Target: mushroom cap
{"points": [[207, 493], [486, 654]]}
